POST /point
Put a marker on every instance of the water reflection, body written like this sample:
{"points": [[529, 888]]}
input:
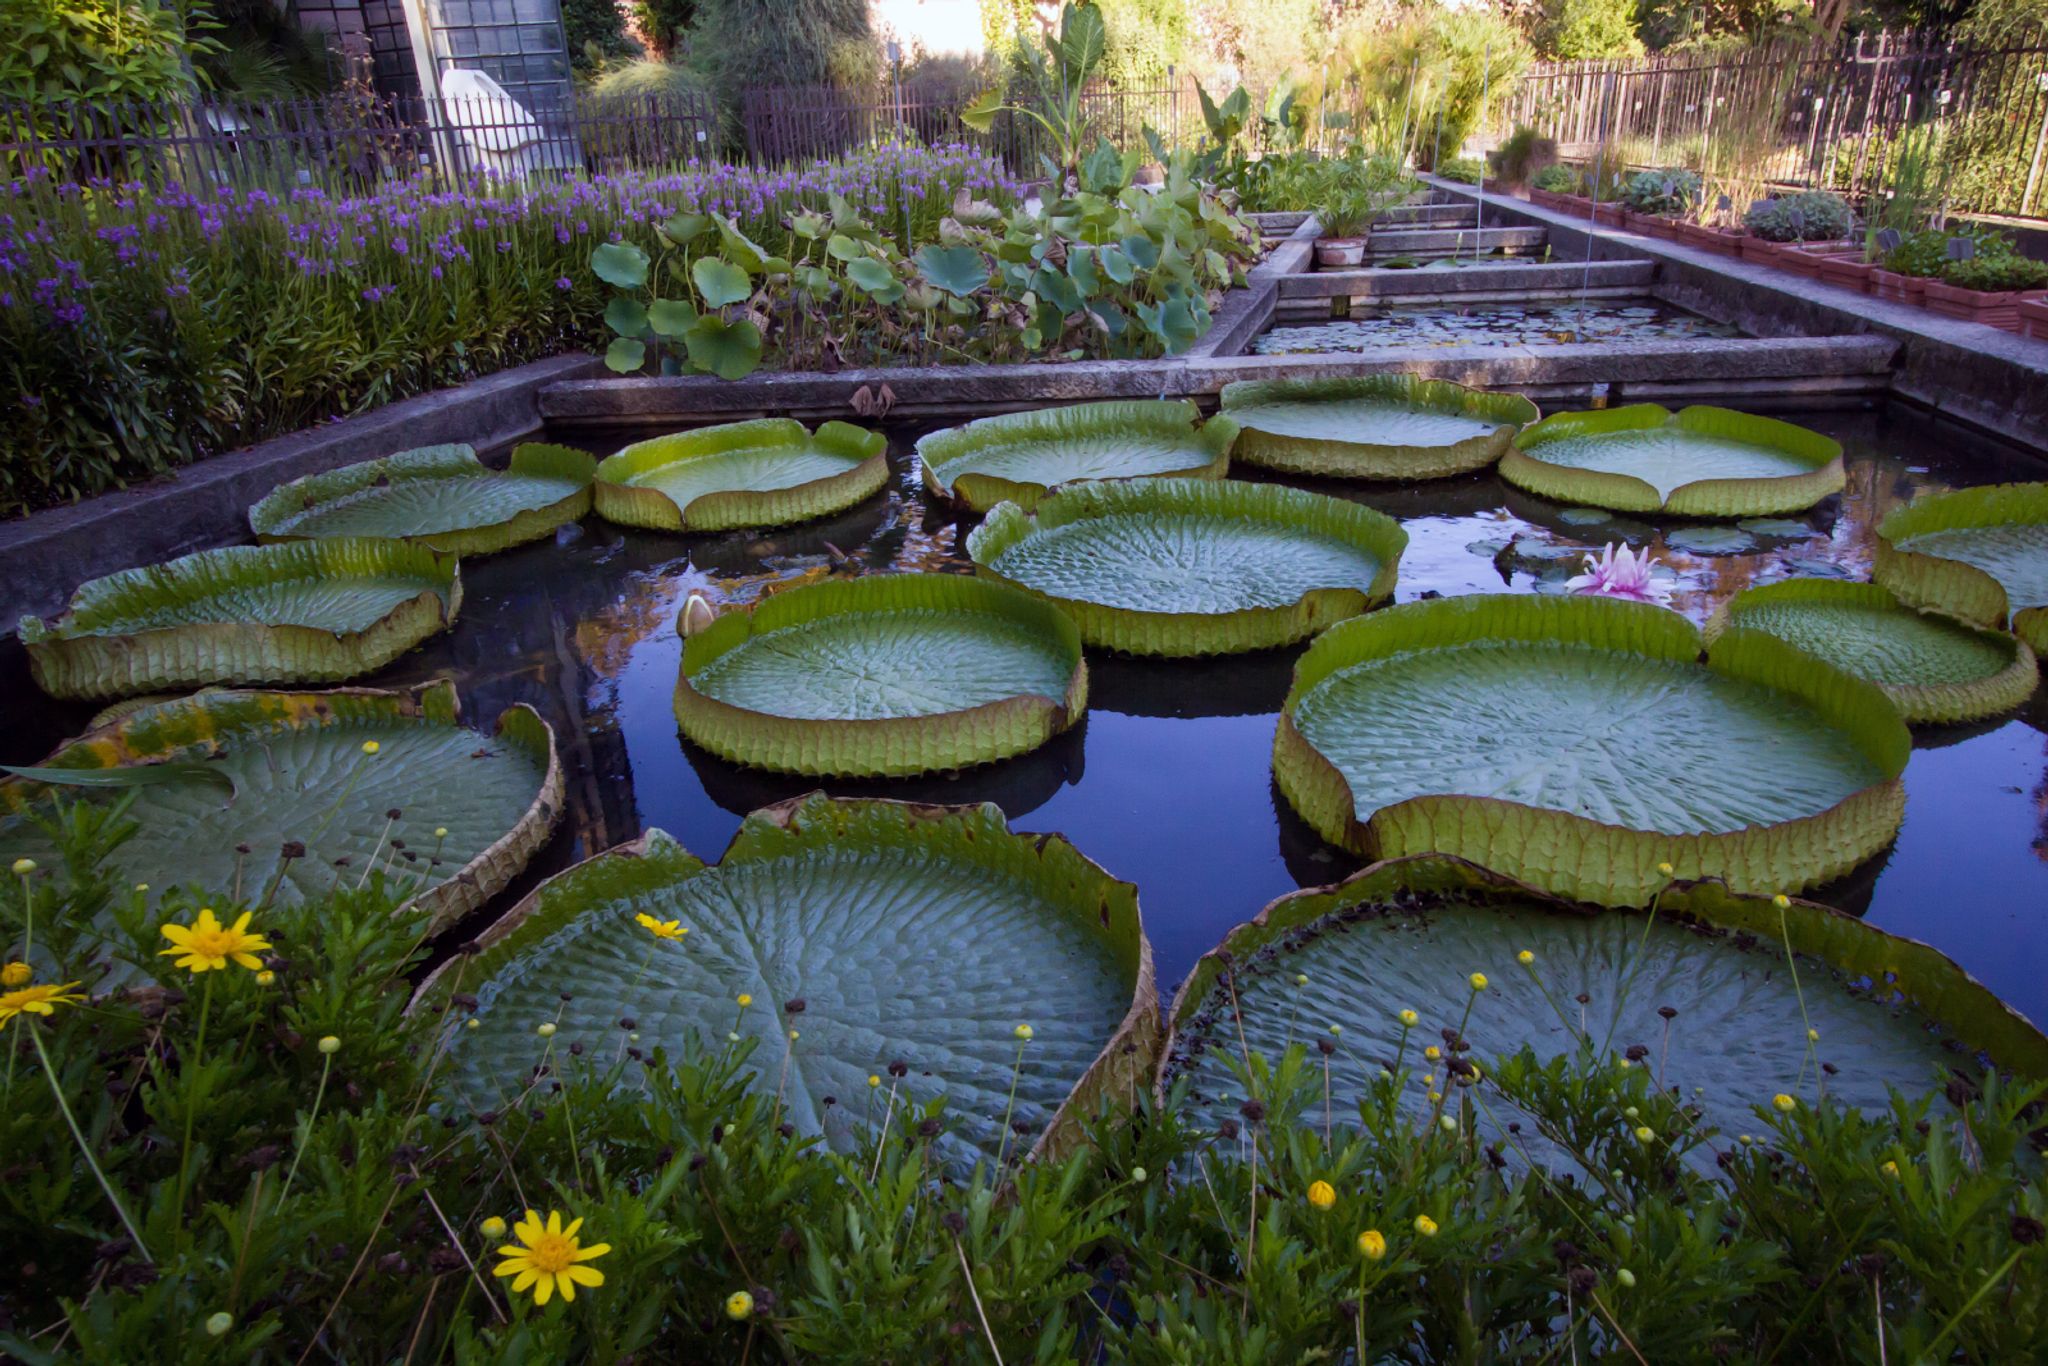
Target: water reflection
{"points": [[1168, 783]]}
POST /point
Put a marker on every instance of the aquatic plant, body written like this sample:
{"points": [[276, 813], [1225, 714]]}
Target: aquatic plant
{"points": [[763, 473], [1621, 573], [1980, 554], [1020, 457], [1698, 462], [889, 674], [1373, 426]]}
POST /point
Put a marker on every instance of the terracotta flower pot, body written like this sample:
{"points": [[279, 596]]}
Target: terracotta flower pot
{"points": [[1762, 252], [1610, 214], [1994, 308], [1846, 272], [1340, 253], [1542, 198], [2034, 316], [1905, 289], [1804, 258]]}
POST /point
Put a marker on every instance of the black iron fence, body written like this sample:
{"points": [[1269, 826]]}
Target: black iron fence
{"points": [[1835, 115]]}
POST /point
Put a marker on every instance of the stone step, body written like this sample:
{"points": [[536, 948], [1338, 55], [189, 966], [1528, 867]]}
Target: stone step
{"points": [[1381, 284], [1429, 243]]}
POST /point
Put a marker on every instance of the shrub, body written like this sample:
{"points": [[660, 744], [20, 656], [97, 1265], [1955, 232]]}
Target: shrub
{"points": [[1525, 153], [300, 1185], [596, 31], [1809, 216], [1577, 30], [1467, 169], [1672, 193], [1559, 179], [664, 23], [2009, 271]]}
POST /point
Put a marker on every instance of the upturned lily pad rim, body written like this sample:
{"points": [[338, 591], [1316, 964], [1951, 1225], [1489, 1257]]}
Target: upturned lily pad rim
{"points": [[273, 516], [1945, 702], [144, 734], [1198, 633], [880, 747], [1524, 466], [1105, 905], [93, 650], [628, 504], [1926, 977], [1571, 854], [1361, 459], [1954, 586], [1209, 446]]}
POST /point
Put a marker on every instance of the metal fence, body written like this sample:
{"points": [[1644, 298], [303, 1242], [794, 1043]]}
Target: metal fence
{"points": [[1835, 114], [351, 141]]}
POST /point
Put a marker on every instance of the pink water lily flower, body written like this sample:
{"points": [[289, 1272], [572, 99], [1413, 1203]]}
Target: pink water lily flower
{"points": [[1620, 572]]}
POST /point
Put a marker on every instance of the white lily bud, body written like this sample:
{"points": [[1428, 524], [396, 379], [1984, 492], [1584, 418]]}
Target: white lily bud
{"points": [[698, 614]]}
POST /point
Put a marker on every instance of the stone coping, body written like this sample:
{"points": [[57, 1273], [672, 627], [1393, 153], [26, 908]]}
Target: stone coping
{"points": [[46, 555], [1380, 282], [1985, 378]]}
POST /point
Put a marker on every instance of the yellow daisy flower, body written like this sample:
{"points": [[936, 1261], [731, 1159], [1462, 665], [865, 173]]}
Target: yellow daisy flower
{"points": [[662, 929], [206, 945], [1321, 1194], [42, 999], [548, 1258]]}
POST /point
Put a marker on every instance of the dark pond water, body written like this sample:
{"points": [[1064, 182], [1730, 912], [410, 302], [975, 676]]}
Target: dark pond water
{"points": [[1525, 324], [1168, 781]]}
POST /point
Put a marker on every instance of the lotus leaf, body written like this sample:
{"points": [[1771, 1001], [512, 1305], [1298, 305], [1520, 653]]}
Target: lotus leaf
{"points": [[1932, 666], [915, 934], [302, 612], [1018, 457], [1407, 934], [1980, 554], [887, 675], [1188, 567], [440, 497], [1577, 743], [767, 472], [296, 772], [1698, 462], [1373, 426]]}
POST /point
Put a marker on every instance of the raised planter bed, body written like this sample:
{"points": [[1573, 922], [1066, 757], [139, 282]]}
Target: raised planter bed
{"points": [[1847, 272], [1905, 289], [1610, 214], [1805, 258], [1993, 308]]}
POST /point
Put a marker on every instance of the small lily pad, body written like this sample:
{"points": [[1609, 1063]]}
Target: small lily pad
{"points": [[1710, 540], [1784, 528], [1584, 516]]}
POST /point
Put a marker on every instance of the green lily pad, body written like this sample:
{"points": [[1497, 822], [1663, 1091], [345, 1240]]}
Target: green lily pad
{"points": [[915, 934], [1373, 426], [1815, 567], [886, 675], [1698, 462], [1017, 457], [1187, 567], [301, 612], [298, 772], [1576, 743], [440, 497], [768, 472], [1932, 666], [1585, 516], [1407, 934], [1779, 528], [1980, 554], [1710, 540]]}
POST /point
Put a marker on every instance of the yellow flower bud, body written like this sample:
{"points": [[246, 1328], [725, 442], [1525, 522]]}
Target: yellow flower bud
{"points": [[472, 1023], [1409, 1017], [16, 974], [440, 832], [1425, 1226], [1336, 1031], [1525, 958], [1322, 1194], [329, 1044], [1372, 1245], [493, 1227], [1813, 1036], [739, 1304], [1023, 1033], [744, 999], [371, 747], [1478, 981], [873, 1081], [1301, 979], [1138, 1176], [1890, 1169], [1432, 1052], [218, 1324], [1666, 869], [794, 1036], [266, 978], [24, 866], [1785, 1103], [1626, 1277], [546, 1030], [1644, 1133], [1448, 1123], [1781, 901]]}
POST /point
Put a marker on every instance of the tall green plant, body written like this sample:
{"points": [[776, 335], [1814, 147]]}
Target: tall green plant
{"points": [[1058, 70]]}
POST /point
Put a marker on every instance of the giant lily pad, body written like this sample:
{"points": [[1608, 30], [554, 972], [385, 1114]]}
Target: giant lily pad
{"points": [[1017, 457], [1373, 426], [258, 771], [768, 472], [1576, 743], [1932, 666], [1407, 934], [1186, 567], [1698, 462], [303, 612], [1981, 554], [440, 497], [888, 675], [915, 934]]}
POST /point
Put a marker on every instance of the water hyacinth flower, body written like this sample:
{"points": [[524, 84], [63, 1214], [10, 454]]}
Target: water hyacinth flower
{"points": [[1621, 572]]}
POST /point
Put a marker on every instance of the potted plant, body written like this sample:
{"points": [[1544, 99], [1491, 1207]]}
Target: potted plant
{"points": [[1906, 268], [1344, 217], [1989, 286], [1791, 231], [1656, 200], [1555, 187]]}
